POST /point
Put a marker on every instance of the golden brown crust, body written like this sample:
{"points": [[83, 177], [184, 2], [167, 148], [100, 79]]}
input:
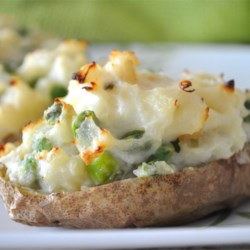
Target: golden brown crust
{"points": [[15, 138], [140, 202]]}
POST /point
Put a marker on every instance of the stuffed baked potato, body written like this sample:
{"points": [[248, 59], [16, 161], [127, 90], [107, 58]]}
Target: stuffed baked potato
{"points": [[127, 148]]}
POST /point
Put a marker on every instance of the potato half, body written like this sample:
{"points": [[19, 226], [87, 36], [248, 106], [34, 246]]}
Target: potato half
{"points": [[137, 202]]}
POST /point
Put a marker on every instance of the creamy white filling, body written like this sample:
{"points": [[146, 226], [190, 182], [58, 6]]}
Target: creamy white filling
{"points": [[20, 104], [204, 117]]}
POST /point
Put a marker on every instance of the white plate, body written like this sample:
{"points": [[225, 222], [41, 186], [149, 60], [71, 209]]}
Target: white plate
{"points": [[234, 62], [231, 60], [235, 229]]}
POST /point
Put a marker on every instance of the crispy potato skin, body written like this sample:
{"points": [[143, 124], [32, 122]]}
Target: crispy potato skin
{"points": [[137, 202]]}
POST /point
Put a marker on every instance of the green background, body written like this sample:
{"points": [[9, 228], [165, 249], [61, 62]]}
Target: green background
{"points": [[137, 20]]}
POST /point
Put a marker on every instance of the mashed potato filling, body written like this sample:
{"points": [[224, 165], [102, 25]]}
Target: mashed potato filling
{"points": [[46, 68], [18, 104], [43, 76], [117, 123]]}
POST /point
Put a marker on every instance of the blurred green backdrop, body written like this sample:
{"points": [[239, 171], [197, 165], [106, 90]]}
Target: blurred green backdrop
{"points": [[137, 20]]}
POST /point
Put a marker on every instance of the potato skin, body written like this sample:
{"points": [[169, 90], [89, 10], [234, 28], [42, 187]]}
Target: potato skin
{"points": [[137, 202]]}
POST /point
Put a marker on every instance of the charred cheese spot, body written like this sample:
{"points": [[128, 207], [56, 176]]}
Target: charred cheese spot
{"points": [[81, 76], [55, 149], [109, 86], [90, 86], [103, 131], [89, 155], [175, 103], [2, 149], [32, 125], [13, 81], [206, 114], [38, 122], [186, 85], [27, 127], [5, 148], [229, 86], [57, 100]]}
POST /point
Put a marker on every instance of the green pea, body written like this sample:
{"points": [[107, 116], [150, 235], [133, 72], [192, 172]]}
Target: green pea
{"points": [[42, 144], [103, 169], [163, 153], [247, 118], [53, 113], [135, 134], [33, 83], [28, 171], [29, 164], [58, 91], [247, 104], [81, 117]]}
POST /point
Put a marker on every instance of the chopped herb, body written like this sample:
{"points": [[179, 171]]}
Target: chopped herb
{"points": [[42, 144], [247, 104], [247, 118], [176, 145], [23, 31], [81, 117], [53, 113], [58, 91], [33, 83], [163, 153], [135, 134]]}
